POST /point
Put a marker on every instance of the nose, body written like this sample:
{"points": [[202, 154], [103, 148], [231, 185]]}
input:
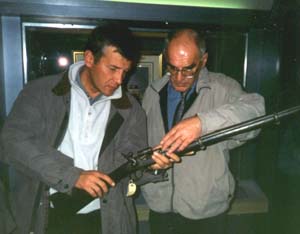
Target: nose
{"points": [[178, 75], [118, 77]]}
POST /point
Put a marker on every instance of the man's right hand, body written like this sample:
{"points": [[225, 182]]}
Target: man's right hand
{"points": [[94, 182], [182, 134]]}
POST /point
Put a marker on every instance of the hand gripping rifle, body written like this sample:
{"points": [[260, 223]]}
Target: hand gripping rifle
{"points": [[142, 159]]}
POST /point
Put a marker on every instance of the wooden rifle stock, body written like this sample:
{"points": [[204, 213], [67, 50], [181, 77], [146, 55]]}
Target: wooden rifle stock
{"points": [[142, 159]]}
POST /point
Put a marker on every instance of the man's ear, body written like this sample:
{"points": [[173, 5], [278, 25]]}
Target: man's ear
{"points": [[204, 60], [88, 58]]}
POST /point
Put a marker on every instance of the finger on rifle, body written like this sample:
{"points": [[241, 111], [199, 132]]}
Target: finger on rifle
{"points": [[88, 183], [173, 157], [161, 161], [106, 179], [96, 190], [90, 191], [175, 145], [184, 144], [156, 147], [101, 183], [94, 182], [169, 139]]}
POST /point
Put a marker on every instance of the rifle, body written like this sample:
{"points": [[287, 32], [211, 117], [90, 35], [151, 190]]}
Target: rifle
{"points": [[142, 159], [139, 161]]}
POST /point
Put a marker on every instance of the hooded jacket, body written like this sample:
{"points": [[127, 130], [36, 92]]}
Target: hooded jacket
{"points": [[30, 136]]}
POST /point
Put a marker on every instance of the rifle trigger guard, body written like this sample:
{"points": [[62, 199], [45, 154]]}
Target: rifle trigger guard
{"points": [[130, 158]]}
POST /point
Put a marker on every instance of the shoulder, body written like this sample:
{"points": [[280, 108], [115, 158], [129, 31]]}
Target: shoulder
{"points": [[158, 84], [129, 108], [132, 100], [155, 87], [219, 84], [39, 89], [127, 103], [43, 83], [222, 80]]}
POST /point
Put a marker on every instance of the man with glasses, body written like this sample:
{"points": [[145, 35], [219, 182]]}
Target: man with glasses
{"points": [[188, 102]]}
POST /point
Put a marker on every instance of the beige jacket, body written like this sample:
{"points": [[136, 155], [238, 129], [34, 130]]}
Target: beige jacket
{"points": [[201, 186]]}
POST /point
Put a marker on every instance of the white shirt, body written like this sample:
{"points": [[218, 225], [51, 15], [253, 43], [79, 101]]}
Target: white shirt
{"points": [[86, 128]]}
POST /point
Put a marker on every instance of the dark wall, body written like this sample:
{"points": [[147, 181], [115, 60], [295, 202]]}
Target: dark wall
{"points": [[286, 184], [227, 53], [290, 75]]}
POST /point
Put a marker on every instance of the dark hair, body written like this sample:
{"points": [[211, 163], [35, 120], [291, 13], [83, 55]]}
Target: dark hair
{"points": [[117, 35]]}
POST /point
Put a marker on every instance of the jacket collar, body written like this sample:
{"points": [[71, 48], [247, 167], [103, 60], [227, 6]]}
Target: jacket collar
{"points": [[63, 87], [203, 80]]}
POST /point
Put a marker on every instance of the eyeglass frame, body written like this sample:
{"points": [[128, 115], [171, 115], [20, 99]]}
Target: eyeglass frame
{"points": [[173, 71]]}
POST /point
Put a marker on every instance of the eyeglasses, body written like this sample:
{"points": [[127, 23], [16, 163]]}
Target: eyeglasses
{"points": [[186, 72]]}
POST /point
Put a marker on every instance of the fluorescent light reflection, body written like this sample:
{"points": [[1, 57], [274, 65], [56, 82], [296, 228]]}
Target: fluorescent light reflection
{"points": [[229, 4]]}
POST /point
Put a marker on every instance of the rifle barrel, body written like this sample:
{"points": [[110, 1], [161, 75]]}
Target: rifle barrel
{"points": [[204, 141], [225, 133]]}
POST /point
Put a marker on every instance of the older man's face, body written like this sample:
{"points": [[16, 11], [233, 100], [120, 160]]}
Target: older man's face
{"points": [[183, 63]]}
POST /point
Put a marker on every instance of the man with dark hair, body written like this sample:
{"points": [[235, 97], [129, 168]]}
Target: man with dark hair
{"points": [[64, 135], [188, 102]]}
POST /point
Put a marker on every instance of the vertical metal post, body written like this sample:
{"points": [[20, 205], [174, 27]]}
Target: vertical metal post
{"points": [[12, 59]]}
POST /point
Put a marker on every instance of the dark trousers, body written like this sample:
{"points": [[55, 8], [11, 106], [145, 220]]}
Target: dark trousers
{"points": [[171, 223], [60, 223]]}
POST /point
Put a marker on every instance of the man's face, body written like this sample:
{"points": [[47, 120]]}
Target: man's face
{"points": [[183, 64], [107, 74]]}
